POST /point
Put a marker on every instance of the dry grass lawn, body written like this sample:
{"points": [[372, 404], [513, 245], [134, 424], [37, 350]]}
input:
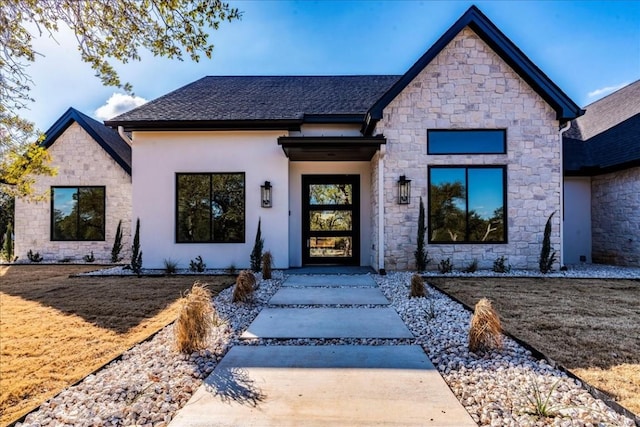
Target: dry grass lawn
{"points": [[591, 327], [55, 330]]}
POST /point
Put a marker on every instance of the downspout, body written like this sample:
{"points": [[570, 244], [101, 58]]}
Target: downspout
{"points": [[381, 269], [124, 135], [562, 131]]}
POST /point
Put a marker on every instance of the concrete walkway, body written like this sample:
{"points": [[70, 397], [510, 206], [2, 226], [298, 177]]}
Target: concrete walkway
{"points": [[355, 385]]}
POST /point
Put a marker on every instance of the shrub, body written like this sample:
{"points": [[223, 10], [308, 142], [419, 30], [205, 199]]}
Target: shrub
{"points": [[422, 256], [65, 260], [136, 253], [195, 319], [256, 253], [445, 266], [170, 266], [8, 244], [485, 332], [267, 264], [417, 287], [89, 258], [245, 285], [117, 244], [472, 267], [197, 264], [231, 269], [547, 258], [500, 265], [34, 257]]}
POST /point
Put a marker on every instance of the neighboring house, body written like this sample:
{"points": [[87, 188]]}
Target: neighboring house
{"points": [[87, 198], [334, 167], [602, 181], [474, 125]]}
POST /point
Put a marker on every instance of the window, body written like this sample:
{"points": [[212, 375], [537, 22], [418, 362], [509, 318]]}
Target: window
{"points": [[482, 141], [77, 213], [467, 204], [210, 208]]}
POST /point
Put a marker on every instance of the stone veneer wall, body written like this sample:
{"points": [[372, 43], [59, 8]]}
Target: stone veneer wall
{"points": [[615, 214], [468, 86], [80, 161]]}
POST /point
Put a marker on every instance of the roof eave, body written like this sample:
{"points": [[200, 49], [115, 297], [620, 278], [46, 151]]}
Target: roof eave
{"points": [[204, 125]]}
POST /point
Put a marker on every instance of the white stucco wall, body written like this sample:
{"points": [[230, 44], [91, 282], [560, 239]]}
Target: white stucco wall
{"points": [[577, 219], [158, 156], [296, 170], [468, 86], [80, 161]]}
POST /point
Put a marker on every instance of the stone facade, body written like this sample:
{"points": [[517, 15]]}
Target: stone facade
{"points": [[615, 220], [79, 161], [468, 86]]}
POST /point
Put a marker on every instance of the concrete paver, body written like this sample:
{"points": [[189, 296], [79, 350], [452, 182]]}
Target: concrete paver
{"points": [[328, 296], [339, 280], [327, 323], [322, 386]]}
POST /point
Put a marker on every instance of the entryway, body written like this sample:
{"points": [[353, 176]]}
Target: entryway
{"points": [[331, 219]]}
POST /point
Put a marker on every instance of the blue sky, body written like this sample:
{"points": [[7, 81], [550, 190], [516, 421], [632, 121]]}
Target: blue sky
{"points": [[588, 48]]}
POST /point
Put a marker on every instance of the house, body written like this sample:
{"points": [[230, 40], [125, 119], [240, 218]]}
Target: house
{"points": [[86, 199], [602, 181], [334, 167]]}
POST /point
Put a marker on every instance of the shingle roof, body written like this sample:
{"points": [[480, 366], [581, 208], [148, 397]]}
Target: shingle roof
{"points": [[261, 98], [106, 137], [606, 112]]}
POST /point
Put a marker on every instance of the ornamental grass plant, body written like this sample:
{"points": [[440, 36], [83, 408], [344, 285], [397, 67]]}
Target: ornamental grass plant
{"points": [[195, 320], [485, 332]]}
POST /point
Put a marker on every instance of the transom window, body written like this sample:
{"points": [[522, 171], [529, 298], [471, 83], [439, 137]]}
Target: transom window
{"points": [[467, 204], [480, 141], [210, 208], [78, 213]]}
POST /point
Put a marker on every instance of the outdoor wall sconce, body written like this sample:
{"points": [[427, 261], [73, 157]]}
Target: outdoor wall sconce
{"points": [[404, 190], [265, 194]]}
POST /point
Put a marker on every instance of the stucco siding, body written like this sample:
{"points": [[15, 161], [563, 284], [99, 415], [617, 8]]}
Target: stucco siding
{"points": [[159, 156], [80, 161], [468, 86], [577, 220], [616, 219]]}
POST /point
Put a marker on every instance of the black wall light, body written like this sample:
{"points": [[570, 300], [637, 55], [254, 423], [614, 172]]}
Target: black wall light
{"points": [[404, 190], [265, 194]]}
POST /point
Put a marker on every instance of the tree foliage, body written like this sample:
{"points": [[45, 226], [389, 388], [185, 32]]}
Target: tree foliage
{"points": [[547, 254], [422, 257], [256, 253], [136, 253], [105, 31]]}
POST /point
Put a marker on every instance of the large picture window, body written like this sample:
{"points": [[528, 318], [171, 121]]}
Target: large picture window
{"points": [[77, 213], [210, 208], [466, 141], [467, 204]]}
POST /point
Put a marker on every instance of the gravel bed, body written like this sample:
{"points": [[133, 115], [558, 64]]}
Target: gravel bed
{"points": [[152, 381]]}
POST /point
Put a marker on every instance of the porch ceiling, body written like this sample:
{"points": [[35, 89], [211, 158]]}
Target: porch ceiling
{"points": [[330, 148]]}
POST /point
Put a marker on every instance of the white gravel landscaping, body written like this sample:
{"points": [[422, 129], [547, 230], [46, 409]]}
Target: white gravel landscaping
{"points": [[152, 381]]}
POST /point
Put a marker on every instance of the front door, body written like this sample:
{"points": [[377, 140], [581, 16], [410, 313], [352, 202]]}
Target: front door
{"points": [[331, 219]]}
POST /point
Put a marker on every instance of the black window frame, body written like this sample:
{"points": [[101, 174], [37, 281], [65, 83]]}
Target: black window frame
{"points": [[244, 201], [504, 205], [457, 153], [77, 188]]}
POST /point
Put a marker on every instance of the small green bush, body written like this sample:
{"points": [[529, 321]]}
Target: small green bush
{"points": [[547, 257], [34, 257], [89, 257], [117, 244], [445, 266], [256, 253], [421, 255], [170, 266], [472, 267], [500, 265], [197, 264], [136, 253]]}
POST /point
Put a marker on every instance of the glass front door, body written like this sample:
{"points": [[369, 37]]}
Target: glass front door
{"points": [[331, 219]]}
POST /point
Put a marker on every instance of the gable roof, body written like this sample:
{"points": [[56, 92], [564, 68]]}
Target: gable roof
{"points": [[473, 18], [106, 137], [285, 102], [259, 102], [607, 112]]}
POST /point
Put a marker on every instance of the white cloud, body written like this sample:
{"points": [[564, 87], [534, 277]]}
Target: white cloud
{"points": [[117, 104], [598, 93]]}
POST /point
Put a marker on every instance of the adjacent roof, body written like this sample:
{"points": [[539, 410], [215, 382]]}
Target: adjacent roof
{"points": [[237, 102], [285, 102], [607, 137], [106, 137]]}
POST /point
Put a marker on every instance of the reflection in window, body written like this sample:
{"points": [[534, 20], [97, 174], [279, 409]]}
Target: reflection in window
{"points": [[484, 141], [210, 208], [78, 213], [339, 246], [330, 220], [466, 204], [330, 194]]}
